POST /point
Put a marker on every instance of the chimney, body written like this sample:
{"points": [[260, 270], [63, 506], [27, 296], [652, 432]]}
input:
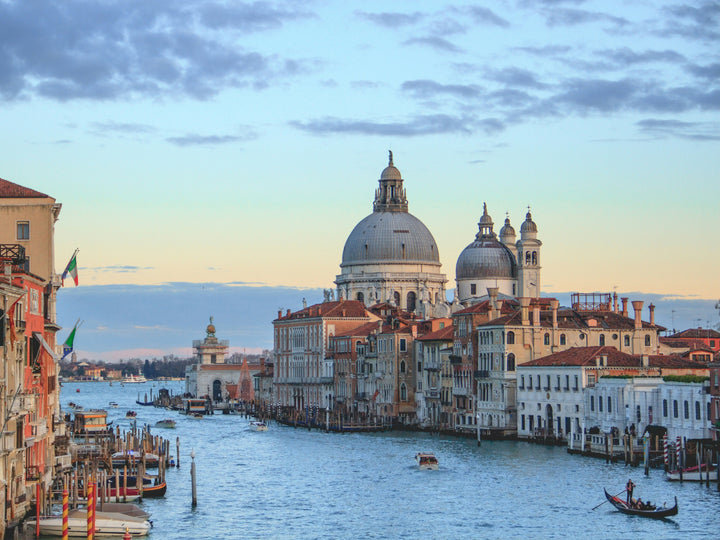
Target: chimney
{"points": [[624, 307], [499, 307], [615, 302], [288, 313], [279, 313], [651, 307], [413, 329], [492, 293], [554, 304], [637, 306], [536, 314], [379, 328], [524, 315]]}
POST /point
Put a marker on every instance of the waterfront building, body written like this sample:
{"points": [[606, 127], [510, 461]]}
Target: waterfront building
{"points": [[540, 328], [212, 376], [714, 384], [304, 371], [693, 336], [391, 256], [263, 386], [29, 395], [432, 353]]}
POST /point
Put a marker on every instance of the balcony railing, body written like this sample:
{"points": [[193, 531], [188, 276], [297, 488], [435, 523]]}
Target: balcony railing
{"points": [[482, 373]]}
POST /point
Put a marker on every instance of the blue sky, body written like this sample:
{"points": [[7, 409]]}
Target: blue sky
{"points": [[226, 142]]}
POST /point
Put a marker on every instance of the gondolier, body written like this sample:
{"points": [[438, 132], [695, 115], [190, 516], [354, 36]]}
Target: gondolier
{"points": [[629, 488]]}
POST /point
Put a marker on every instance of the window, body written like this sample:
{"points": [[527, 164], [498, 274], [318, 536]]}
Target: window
{"points": [[697, 410], [609, 404], [402, 366], [411, 298], [582, 337], [665, 408], [600, 404], [575, 386], [547, 380], [473, 288], [403, 392], [522, 382], [626, 341], [592, 403], [511, 338], [522, 422], [647, 340], [511, 362], [563, 340], [675, 408], [546, 339], [602, 340], [530, 382], [360, 297], [23, 230], [567, 383], [403, 345], [686, 409]]}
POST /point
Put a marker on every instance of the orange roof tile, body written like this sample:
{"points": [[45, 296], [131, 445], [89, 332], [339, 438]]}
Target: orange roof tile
{"points": [[9, 190]]}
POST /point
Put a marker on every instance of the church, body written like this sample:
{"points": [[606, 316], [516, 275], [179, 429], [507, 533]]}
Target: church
{"points": [[391, 256]]}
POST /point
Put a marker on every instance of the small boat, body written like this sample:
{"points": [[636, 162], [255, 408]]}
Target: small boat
{"points": [[113, 404], [649, 510], [134, 379], [106, 524], [167, 423], [151, 486], [695, 474], [258, 425], [130, 414], [426, 461], [132, 456], [77, 390]]}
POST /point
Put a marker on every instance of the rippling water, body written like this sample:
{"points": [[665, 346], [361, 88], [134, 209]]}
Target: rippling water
{"points": [[293, 483]]}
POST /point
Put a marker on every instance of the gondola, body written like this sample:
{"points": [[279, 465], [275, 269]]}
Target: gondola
{"points": [[656, 513]]}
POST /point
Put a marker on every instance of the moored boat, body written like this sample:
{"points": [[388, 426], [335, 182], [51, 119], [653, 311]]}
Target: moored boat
{"points": [[695, 474], [646, 510], [130, 414], [427, 461], [106, 524], [132, 456]]}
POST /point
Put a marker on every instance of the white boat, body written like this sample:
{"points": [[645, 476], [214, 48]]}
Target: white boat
{"points": [[426, 461], [692, 474], [134, 379], [258, 425], [167, 423], [113, 404], [106, 524]]}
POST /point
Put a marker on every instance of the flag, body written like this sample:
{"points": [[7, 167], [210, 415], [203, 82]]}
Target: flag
{"points": [[71, 269], [375, 395], [68, 345], [11, 318]]}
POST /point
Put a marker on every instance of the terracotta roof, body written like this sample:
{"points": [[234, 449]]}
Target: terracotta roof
{"points": [[585, 356], [334, 309], [573, 319], [363, 330], [508, 306], [444, 334], [696, 333], [9, 190], [226, 367], [691, 344]]}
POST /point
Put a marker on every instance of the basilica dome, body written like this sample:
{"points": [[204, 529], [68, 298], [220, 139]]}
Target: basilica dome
{"points": [[486, 257], [390, 237]]}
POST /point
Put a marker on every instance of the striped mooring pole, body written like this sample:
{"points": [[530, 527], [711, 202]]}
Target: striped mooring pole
{"points": [[65, 515], [666, 457]]}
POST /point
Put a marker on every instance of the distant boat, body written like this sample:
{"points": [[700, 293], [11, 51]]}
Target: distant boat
{"points": [[130, 414], [113, 404], [693, 474], [133, 379], [258, 425], [166, 423], [426, 461]]}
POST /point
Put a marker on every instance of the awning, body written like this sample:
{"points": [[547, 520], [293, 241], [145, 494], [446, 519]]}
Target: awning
{"points": [[48, 348]]}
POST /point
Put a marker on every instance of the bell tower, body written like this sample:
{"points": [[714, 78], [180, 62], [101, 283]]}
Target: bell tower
{"points": [[528, 255]]}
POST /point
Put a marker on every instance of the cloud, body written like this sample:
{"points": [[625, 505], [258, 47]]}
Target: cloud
{"points": [[104, 128], [434, 42], [117, 268], [698, 131], [82, 49], [193, 139], [391, 19], [574, 17], [545, 51], [430, 89], [711, 72], [482, 15], [420, 125], [625, 56], [513, 76], [696, 22]]}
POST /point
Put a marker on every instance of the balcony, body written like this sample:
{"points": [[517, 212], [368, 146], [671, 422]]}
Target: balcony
{"points": [[482, 373], [63, 462], [459, 391], [432, 394], [431, 366]]}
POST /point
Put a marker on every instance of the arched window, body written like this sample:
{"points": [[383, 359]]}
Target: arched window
{"points": [[592, 403], [360, 296], [402, 366], [396, 298], [686, 409], [411, 301], [534, 257], [511, 362], [527, 257], [403, 392], [626, 341], [563, 339], [546, 339], [697, 410], [602, 340], [609, 404], [675, 408], [511, 338], [647, 340]]}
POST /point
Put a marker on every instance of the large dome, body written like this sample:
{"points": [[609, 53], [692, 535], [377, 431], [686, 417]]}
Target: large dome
{"points": [[485, 258], [395, 237]]}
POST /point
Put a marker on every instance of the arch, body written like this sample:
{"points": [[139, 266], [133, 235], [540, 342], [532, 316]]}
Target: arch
{"points": [[647, 340], [534, 257], [217, 390], [549, 416], [511, 362], [602, 340], [396, 298], [402, 366], [360, 297], [411, 299], [546, 339], [563, 339], [403, 392], [626, 341], [511, 337], [527, 257]]}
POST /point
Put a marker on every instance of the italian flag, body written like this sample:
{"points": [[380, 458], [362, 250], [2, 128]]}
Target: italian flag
{"points": [[68, 345], [71, 269]]}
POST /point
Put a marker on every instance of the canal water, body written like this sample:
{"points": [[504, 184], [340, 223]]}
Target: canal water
{"points": [[295, 483]]}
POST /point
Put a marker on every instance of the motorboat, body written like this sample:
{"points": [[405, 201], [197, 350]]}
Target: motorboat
{"points": [[133, 456], [427, 461], [106, 524], [113, 404], [130, 414], [134, 379], [167, 423], [695, 474], [258, 425]]}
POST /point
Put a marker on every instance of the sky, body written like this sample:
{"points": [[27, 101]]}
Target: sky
{"points": [[236, 144]]}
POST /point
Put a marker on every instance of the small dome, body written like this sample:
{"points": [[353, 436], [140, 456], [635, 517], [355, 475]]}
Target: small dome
{"points": [[485, 258], [390, 172], [528, 225], [507, 229], [485, 219]]}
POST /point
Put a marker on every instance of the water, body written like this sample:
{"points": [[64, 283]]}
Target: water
{"points": [[292, 483]]}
